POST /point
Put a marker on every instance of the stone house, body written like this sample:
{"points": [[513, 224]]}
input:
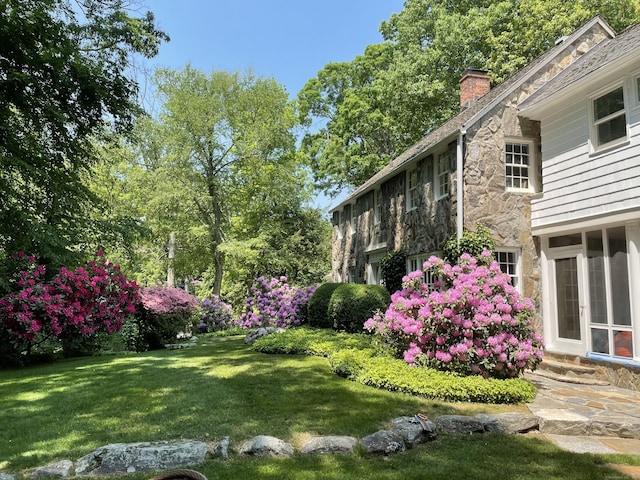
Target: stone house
{"points": [[549, 162]]}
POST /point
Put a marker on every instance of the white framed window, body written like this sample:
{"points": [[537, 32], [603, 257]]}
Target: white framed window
{"points": [[412, 189], [519, 167], [609, 119], [352, 274], [509, 261], [442, 175], [415, 263], [377, 206]]}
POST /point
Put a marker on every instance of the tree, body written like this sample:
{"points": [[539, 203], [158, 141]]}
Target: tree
{"points": [[219, 136], [375, 107], [63, 87]]}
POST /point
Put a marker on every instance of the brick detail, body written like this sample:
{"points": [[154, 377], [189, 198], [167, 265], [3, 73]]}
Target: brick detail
{"points": [[473, 85]]}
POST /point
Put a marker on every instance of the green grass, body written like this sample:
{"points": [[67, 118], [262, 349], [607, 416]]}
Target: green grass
{"points": [[222, 387]]}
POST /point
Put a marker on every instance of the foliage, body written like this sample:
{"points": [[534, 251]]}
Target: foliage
{"points": [[216, 315], [163, 313], [353, 356], [472, 243], [389, 373], [225, 139], [478, 325], [74, 304], [318, 307], [386, 99], [64, 89], [273, 302], [319, 342], [352, 304], [393, 267]]}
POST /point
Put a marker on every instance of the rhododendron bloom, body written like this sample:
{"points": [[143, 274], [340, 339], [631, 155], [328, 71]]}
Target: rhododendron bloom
{"points": [[478, 324]]}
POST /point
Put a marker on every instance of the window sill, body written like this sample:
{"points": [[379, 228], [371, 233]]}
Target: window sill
{"points": [[607, 148]]}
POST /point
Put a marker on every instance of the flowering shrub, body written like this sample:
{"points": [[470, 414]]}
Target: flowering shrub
{"points": [[273, 302], [163, 313], [216, 315], [478, 324], [81, 302]]}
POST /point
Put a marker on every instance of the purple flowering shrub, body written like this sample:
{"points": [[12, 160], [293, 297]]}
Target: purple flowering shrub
{"points": [[476, 324], [272, 302], [216, 315], [162, 314]]}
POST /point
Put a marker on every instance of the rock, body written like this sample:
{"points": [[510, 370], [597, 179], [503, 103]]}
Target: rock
{"points": [[459, 424], [383, 442], [221, 449], [508, 423], [562, 422], [142, 456], [62, 469], [255, 334], [6, 476], [332, 444], [266, 446], [412, 432]]}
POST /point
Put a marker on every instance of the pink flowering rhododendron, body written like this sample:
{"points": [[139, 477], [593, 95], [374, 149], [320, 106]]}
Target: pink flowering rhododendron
{"points": [[273, 302], [476, 324], [81, 302], [167, 300]]}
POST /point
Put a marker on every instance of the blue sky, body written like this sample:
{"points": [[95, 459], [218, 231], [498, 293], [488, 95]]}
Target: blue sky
{"points": [[289, 40]]}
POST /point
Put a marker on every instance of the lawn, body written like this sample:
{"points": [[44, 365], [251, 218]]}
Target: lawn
{"points": [[222, 387]]}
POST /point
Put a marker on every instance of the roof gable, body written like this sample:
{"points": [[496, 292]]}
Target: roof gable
{"points": [[474, 113]]}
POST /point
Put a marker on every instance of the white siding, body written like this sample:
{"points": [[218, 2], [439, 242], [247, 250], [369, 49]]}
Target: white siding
{"points": [[577, 184]]}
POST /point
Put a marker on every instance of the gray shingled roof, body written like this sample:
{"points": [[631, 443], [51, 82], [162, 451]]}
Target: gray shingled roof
{"points": [[469, 116], [599, 57]]}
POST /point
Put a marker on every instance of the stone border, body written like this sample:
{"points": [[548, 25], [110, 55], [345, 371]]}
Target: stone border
{"points": [[403, 433]]}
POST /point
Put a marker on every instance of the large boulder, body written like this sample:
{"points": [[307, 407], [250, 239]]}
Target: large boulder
{"points": [[459, 425], [61, 469], [508, 423], [141, 457], [412, 431], [383, 442], [266, 446], [331, 444]]}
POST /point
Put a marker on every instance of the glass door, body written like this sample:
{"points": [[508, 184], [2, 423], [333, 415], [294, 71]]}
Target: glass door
{"points": [[567, 301]]}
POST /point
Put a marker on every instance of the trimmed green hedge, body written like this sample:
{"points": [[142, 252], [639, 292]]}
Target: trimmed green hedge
{"points": [[353, 357], [318, 306], [352, 304]]}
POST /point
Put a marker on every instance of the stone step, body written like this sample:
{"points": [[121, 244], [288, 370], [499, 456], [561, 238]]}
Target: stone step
{"points": [[570, 378]]}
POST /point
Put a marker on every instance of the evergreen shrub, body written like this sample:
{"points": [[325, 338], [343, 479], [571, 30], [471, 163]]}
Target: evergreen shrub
{"points": [[352, 304], [318, 305]]}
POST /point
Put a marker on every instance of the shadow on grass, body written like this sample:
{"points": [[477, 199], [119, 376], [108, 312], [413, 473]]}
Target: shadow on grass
{"points": [[67, 409]]}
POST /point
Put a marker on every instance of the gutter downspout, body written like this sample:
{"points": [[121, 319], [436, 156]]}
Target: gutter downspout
{"points": [[459, 182]]}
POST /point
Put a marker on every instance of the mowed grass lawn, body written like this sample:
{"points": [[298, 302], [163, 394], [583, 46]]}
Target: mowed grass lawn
{"points": [[222, 387]]}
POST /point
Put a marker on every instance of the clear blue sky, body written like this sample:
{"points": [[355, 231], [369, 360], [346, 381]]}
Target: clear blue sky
{"points": [[289, 40]]}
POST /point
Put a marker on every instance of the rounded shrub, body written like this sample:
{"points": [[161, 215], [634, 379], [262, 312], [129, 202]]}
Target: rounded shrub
{"points": [[351, 304], [318, 305], [393, 267]]}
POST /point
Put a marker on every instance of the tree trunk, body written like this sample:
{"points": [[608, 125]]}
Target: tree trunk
{"points": [[171, 274]]}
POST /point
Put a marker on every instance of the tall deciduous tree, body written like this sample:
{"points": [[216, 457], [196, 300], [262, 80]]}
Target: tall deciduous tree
{"points": [[219, 133], [63, 83], [386, 99]]}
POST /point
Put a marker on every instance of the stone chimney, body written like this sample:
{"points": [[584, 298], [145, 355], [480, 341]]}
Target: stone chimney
{"points": [[473, 85]]}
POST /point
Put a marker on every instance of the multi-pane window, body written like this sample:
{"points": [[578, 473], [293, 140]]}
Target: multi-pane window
{"points": [[442, 175], [412, 189], [609, 118], [508, 261], [415, 264], [518, 165], [377, 209]]}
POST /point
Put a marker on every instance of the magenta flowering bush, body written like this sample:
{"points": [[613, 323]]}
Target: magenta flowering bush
{"points": [[75, 303], [216, 315], [476, 323], [167, 301], [274, 303]]}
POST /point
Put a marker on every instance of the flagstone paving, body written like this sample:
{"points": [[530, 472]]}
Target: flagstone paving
{"points": [[587, 418]]}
